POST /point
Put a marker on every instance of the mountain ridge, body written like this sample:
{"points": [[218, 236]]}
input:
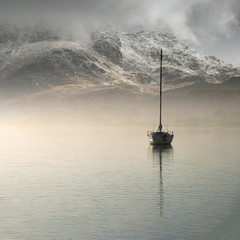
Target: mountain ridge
{"points": [[42, 60]]}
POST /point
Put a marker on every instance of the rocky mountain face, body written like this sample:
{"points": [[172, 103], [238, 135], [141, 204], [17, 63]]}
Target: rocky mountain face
{"points": [[36, 59], [138, 55], [44, 65], [116, 71]]}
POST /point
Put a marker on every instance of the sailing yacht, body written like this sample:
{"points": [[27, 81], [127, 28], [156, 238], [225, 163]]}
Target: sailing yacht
{"points": [[160, 137]]}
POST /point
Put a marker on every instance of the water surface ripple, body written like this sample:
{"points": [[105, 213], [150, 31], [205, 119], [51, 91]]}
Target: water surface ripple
{"points": [[110, 184]]}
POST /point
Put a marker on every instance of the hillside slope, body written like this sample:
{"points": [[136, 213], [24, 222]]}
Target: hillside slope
{"points": [[40, 60]]}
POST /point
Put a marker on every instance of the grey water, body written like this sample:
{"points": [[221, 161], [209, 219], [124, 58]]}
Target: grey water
{"points": [[108, 183]]}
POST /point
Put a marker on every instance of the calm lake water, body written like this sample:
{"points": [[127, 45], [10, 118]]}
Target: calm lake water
{"points": [[107, 184]]}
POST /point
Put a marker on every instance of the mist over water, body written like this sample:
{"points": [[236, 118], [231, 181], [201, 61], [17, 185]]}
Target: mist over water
{"points": [[77, 98], [199, 109], [108, 183]]}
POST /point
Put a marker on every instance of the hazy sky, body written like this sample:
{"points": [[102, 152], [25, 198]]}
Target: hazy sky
{"points": [[211, 26]]}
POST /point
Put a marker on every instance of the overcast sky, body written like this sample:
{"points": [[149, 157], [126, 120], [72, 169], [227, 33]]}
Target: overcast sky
{"points": [[211, 26]]}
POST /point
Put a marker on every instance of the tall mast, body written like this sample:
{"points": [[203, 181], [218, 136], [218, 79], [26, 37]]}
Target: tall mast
{"points": [[160, 117]]}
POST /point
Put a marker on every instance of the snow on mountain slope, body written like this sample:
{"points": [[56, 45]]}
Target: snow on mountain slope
{"points": [[44, 65], [40, 60], [139, 53]]}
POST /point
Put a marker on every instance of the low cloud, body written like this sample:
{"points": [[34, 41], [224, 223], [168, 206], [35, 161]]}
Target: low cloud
{"points": [[216, 24], [210, 25]]}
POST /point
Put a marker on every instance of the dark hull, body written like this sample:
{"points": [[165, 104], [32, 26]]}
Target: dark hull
{"points": [[160, 138]]}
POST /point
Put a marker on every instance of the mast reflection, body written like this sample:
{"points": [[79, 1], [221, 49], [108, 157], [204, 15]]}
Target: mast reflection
{"points": [[161, 154]]}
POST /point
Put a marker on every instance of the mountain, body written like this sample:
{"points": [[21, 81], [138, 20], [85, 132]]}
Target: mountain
{"points": [[232, 85], [138, 54], [115, 75], [44, 65], [37, 59], [205, 104]]}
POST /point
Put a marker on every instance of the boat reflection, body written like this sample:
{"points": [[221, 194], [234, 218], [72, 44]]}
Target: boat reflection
{"points": [[161, 154]]}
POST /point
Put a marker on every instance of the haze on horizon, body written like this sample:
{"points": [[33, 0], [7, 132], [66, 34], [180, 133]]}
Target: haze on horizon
{"points": [[210, 26]]}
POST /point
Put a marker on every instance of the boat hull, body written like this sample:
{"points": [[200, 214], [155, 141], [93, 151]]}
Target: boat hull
{"points": [[160, 138]]}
